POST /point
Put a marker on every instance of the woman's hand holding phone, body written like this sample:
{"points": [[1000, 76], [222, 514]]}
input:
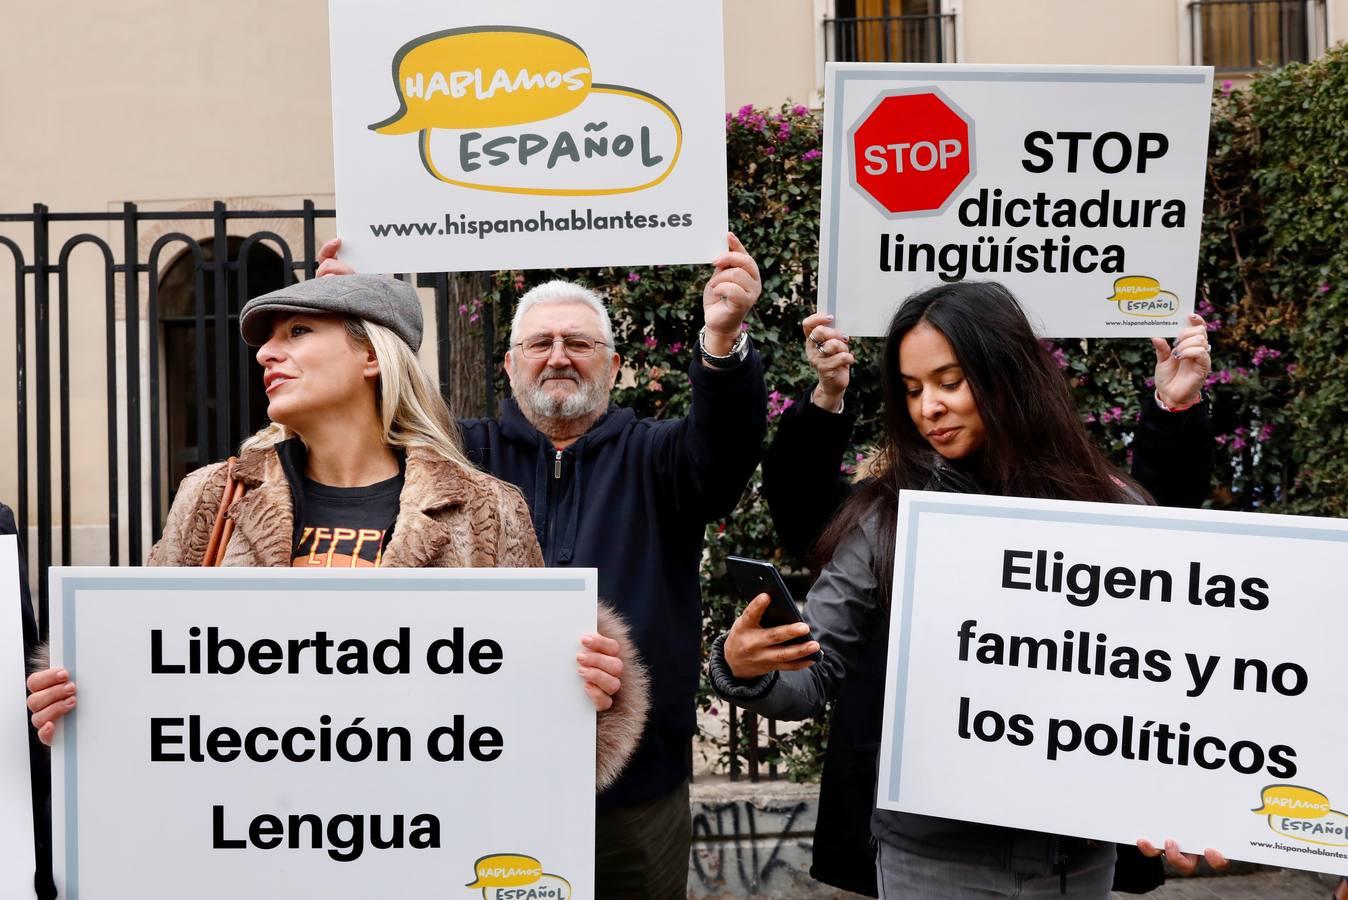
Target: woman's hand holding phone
{"points": [[752, 650]]}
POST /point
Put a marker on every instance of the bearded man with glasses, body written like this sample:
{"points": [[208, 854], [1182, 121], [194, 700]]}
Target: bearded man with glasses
{"points": [[631, 497]]}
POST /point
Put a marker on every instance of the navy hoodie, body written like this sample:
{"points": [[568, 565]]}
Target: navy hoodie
{"points": [[632, 498]]}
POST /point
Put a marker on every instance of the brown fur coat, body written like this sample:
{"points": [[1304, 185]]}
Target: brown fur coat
{"points": [[449, 516]]}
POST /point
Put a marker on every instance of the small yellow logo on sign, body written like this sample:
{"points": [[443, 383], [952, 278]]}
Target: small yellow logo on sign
{"points": [[522, 114], [1294, 802], [1141, 295], [1303, 814], [486, 79], [513, 876]]}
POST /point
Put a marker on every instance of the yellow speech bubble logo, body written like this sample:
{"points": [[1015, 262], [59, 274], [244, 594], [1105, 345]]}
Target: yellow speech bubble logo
{"points": [[1134, 287], [485, 77], [1292, 802], [505, 870]]}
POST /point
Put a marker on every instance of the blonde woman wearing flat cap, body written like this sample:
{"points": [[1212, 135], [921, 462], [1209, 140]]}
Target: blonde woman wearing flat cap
{"points": [[362, 466]]}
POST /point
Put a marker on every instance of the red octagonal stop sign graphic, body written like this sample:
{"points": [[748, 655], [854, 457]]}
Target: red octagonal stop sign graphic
{"points": [[912, 151]]}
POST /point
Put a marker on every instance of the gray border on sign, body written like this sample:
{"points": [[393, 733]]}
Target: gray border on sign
{"points": [[910, 529], [71, 584], [842, 77]]}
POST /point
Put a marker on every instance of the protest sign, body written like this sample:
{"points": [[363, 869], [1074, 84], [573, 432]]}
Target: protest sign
{"points": [[1119, 672], [527, 133], [277, 734], [1078, 187], [16, 805]]}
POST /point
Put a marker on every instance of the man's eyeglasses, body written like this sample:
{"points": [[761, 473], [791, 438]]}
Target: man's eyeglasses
{"points": [[574, 347]]}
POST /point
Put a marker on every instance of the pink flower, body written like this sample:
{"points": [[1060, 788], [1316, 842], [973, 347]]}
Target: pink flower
{"points": [[676, 347], [1226, 86], [770, 151], [463, 309], [1055, 351], [800, 110], [1262, 353], [651, 341], [811, 155], [633, 277], [745, 112], [777, 404], [1265, 431], [1324, 287], [472, 320]]}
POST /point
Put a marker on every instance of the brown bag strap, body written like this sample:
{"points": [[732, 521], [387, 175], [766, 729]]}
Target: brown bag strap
{"points": [[223, 527]]}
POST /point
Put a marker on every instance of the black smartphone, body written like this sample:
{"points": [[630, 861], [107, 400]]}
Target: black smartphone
{"points": [[753, 577]]}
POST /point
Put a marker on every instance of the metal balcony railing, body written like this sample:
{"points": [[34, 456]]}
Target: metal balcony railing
{"points": [[913, 38], [1248, 35]]}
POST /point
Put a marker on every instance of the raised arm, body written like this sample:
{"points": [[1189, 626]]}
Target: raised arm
{"points": [[1172, 447], [802, 477], [713, 450]]}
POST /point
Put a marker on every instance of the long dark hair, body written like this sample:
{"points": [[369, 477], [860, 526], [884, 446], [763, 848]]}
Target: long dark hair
{"points": [[1036, 443]]}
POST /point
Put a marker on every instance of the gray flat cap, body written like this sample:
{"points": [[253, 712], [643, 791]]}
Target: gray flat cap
{"points": [[376, 298]]}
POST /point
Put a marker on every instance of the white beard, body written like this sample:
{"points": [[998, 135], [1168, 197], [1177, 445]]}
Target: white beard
{"points": [[539, 403]]}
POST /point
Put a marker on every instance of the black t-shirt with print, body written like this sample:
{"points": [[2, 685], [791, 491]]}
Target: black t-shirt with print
{"points": [[339, 528]]}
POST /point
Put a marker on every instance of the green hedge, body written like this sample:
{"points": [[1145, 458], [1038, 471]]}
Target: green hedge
{"points": [[1273, 285]]}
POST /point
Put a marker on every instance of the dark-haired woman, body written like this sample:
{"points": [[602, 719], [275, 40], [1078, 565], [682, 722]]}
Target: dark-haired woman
{"points": [[973, 404]]}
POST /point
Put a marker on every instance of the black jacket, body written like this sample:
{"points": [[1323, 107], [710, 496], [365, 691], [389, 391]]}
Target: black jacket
{"points": [[632, 498], [38, 758], [1172, 459]]}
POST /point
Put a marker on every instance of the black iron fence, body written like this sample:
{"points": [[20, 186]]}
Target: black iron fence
{"points": [[1246, 35], [910, 38], [179, 388]]}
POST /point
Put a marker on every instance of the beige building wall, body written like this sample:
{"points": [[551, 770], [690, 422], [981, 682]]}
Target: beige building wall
{"points": [[1098, 32], [770, 51]]}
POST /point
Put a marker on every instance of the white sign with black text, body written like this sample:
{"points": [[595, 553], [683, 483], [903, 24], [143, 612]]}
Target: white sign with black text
{"points": [[1078, 187], [1121, 672], [278, 734], [528, 134]]}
